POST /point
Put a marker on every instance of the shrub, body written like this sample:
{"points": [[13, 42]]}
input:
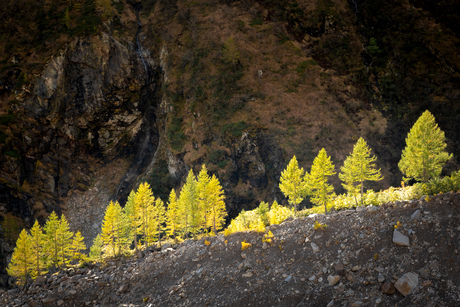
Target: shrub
{"points": [[235, 129], [175, 135], [278, 214], [318, 225], [245, 245], [259, 218]]}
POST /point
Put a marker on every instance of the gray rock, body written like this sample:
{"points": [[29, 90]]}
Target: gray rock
{"points": [[314, 247], [407, 283], [416, 215], [400, 239], [288, 279], [333, 279], [373, 208], [123, 288], [48, 300]]}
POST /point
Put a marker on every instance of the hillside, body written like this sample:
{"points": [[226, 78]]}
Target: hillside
{"points": [[97, 96], [353, 262]]}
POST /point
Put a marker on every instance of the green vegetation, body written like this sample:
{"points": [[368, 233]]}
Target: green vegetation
{"points": [[11, 228], [424, 155], [230, 52], [235, 129], [160, 180], [176, 136], [13, 153], [54, 246], [318, 188], [259, 218], [359, 167], [21, 260], [292, 183], [199, 207]]}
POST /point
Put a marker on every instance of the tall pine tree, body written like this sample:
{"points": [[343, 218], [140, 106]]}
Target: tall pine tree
{"points": [[216, 205], [143, 202], [37, 251], [130, 216], [292, 183], [203, 195], [58, 239], [424, 155], [317, 180], [77, 248], [188, 205], [112, 228], [65, 241], [159, 219], [21, 260], [357, 168], [172, 216], [95, 252]]}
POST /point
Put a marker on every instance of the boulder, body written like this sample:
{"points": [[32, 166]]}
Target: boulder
{"points": [[333, 279], [416, 215], [400, 239], [407, 283]]}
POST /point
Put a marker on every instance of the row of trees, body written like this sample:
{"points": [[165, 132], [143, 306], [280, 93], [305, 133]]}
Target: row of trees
{"points": [[200, 207], [40, 249], [422, 159], [145, 220]]}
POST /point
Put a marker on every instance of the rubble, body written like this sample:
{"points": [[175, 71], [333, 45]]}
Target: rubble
{"points": [[358, 265]]}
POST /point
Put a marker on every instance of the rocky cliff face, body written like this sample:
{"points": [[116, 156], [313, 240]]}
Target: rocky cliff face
{"points": [[146, 90], [88, 125]]}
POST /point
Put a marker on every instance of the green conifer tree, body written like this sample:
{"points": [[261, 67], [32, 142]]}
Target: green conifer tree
{"points": [[21, 260], [424, 155], [172, 216], [112, 229], [216, 207], [159, 219], [203, 194], [143, 202], [58, 239], [130, 216], [65, 242], [357, 168], [292, 183], [95, 252], [51, 246], [188, 205], [78, 247], [321, 170], [37, 251]]}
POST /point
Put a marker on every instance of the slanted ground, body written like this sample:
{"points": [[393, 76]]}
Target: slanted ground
{"points": [[356, 263]]}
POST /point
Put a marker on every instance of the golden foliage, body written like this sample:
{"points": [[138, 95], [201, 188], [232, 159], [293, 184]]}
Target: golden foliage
{"points": [[245, 245], [318, 225]]}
